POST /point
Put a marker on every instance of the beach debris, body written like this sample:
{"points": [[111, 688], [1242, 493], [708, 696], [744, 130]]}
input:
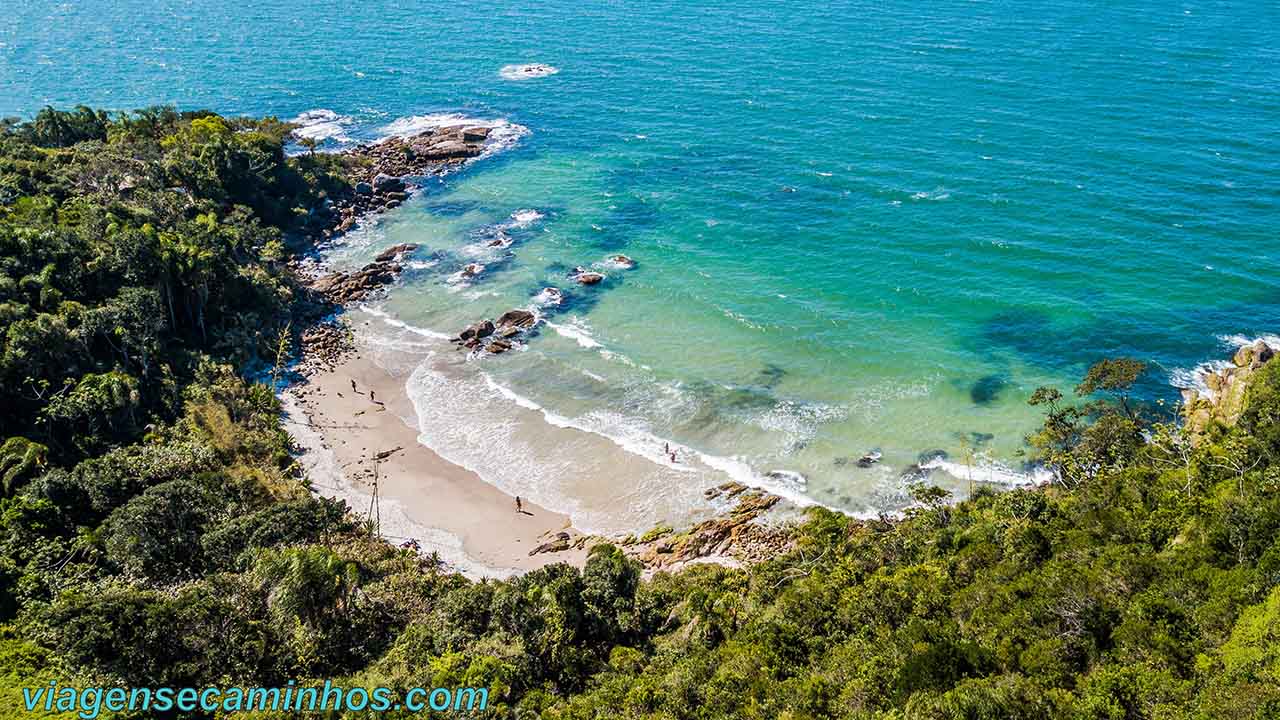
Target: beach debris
{"points": [[869, 459]]}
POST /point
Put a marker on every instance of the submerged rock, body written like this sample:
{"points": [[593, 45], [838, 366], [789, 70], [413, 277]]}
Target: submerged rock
{"points": [[869, 459], [395, 251]]}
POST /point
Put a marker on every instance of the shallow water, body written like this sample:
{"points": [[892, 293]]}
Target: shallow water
{"points": [[857, 226]]}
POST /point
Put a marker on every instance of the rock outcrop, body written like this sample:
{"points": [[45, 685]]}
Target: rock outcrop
{"points": [[343, 287], [734, 534], [517, 319], [497, 337], [382, 174], [1223, 397]]}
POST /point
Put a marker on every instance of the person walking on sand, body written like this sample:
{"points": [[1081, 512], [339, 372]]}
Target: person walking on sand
{"points": [[353, 386], [519, 505]]}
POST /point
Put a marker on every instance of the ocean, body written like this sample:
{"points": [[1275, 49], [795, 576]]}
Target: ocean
{"points": [[857, 227]]}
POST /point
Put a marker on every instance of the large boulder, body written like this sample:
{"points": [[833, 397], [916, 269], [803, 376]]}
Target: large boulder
{"points": [[482, 329], [451, 149], [384, 183], [517, 318], [1254, 355]]}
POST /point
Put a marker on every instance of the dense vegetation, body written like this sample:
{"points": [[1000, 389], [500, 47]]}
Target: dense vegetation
{"points": [[153, 530]]}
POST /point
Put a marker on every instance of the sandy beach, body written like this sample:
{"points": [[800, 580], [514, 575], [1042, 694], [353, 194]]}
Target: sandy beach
{"points": [[345, 433]]}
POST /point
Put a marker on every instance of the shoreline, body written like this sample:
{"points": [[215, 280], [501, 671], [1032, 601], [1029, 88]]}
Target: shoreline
{"points": [[444, 507]]}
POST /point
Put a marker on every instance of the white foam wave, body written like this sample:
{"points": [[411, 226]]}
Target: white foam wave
{"points": [[986, 471], [395, 322], [323, 124], [503, 133], [576, 329], [524, 218], [1239, 340], [527, 71], [548, 297], [1194, 378]]}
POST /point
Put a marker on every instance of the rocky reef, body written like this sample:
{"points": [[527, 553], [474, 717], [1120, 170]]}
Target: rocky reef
{"points": [[734, 536], [1223, 398]]}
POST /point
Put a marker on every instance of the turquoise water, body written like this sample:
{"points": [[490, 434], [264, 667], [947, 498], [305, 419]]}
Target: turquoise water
{"points": [[857, 225]]}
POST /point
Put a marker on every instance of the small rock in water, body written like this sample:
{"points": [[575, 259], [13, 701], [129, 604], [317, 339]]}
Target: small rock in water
{"points": [[623, 261], [472, 269], [930, 455], [787, 476], [915, 473], [527, 71], [588, 278], [549, 296], [869, 459]]}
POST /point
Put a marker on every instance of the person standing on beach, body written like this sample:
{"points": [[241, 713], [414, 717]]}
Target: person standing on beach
{"points": [[519, 505]]}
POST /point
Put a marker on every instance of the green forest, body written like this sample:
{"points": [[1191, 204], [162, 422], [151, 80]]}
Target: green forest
{"points": [[155, 530]]}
